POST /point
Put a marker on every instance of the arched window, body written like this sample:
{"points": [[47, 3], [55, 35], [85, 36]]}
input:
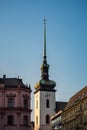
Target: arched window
{"points": [[47, 119], [47, 103]]}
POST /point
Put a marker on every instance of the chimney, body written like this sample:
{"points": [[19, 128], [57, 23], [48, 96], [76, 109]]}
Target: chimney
{"points": [[4, 76]]}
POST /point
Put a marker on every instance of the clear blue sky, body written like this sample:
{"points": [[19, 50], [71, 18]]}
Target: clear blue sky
{"points": [[21, 42]]}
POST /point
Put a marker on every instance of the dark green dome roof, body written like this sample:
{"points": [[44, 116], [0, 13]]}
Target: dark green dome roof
{"points": [[47, 82], [44, 84]]}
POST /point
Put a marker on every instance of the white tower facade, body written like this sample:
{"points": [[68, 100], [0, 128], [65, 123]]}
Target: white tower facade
{"points": [[44, 109], [44, 95]]}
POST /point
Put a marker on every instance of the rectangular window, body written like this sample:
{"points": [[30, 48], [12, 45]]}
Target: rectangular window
{"points": [[47, 119], [10, 102], [25, 103], [81, 121], [25, 120], [10, 120], [36, 103]]}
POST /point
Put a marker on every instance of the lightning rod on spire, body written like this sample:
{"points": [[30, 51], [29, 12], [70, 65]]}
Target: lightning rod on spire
{"points": [[44, 40]]}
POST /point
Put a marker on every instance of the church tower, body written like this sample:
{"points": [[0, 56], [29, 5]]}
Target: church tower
{"points": [[44, 95]]}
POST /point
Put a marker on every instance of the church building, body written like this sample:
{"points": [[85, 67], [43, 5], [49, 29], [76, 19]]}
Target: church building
{"points": [[44, 95]]}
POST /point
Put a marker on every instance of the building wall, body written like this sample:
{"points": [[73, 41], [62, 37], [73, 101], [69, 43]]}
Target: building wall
{"points": [[37, 110], [75, 117], [42, 111], [18, 111], [56, 121]]}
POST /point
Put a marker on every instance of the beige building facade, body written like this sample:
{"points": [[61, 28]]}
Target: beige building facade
{"points": [[74, 116], [56, 118]]}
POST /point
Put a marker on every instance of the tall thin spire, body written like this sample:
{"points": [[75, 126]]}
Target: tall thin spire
{"points": [[44, 42], [45, 66], [45, 83]]}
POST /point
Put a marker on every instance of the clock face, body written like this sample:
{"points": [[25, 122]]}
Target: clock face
{"points": [[47, 95]]}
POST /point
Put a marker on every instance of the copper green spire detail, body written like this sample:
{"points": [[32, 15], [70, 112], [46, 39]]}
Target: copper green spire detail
{"points": [[45, 66], [45, 83], [44, 41]]}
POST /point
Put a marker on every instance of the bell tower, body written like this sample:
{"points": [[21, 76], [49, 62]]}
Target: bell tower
{"points": [[44, 95]]}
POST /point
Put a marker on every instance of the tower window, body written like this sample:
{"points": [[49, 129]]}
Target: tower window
{"points": [[37, 120], [10, 102], [10, 120], [47, 103], [47, 119], [36, 103]]}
